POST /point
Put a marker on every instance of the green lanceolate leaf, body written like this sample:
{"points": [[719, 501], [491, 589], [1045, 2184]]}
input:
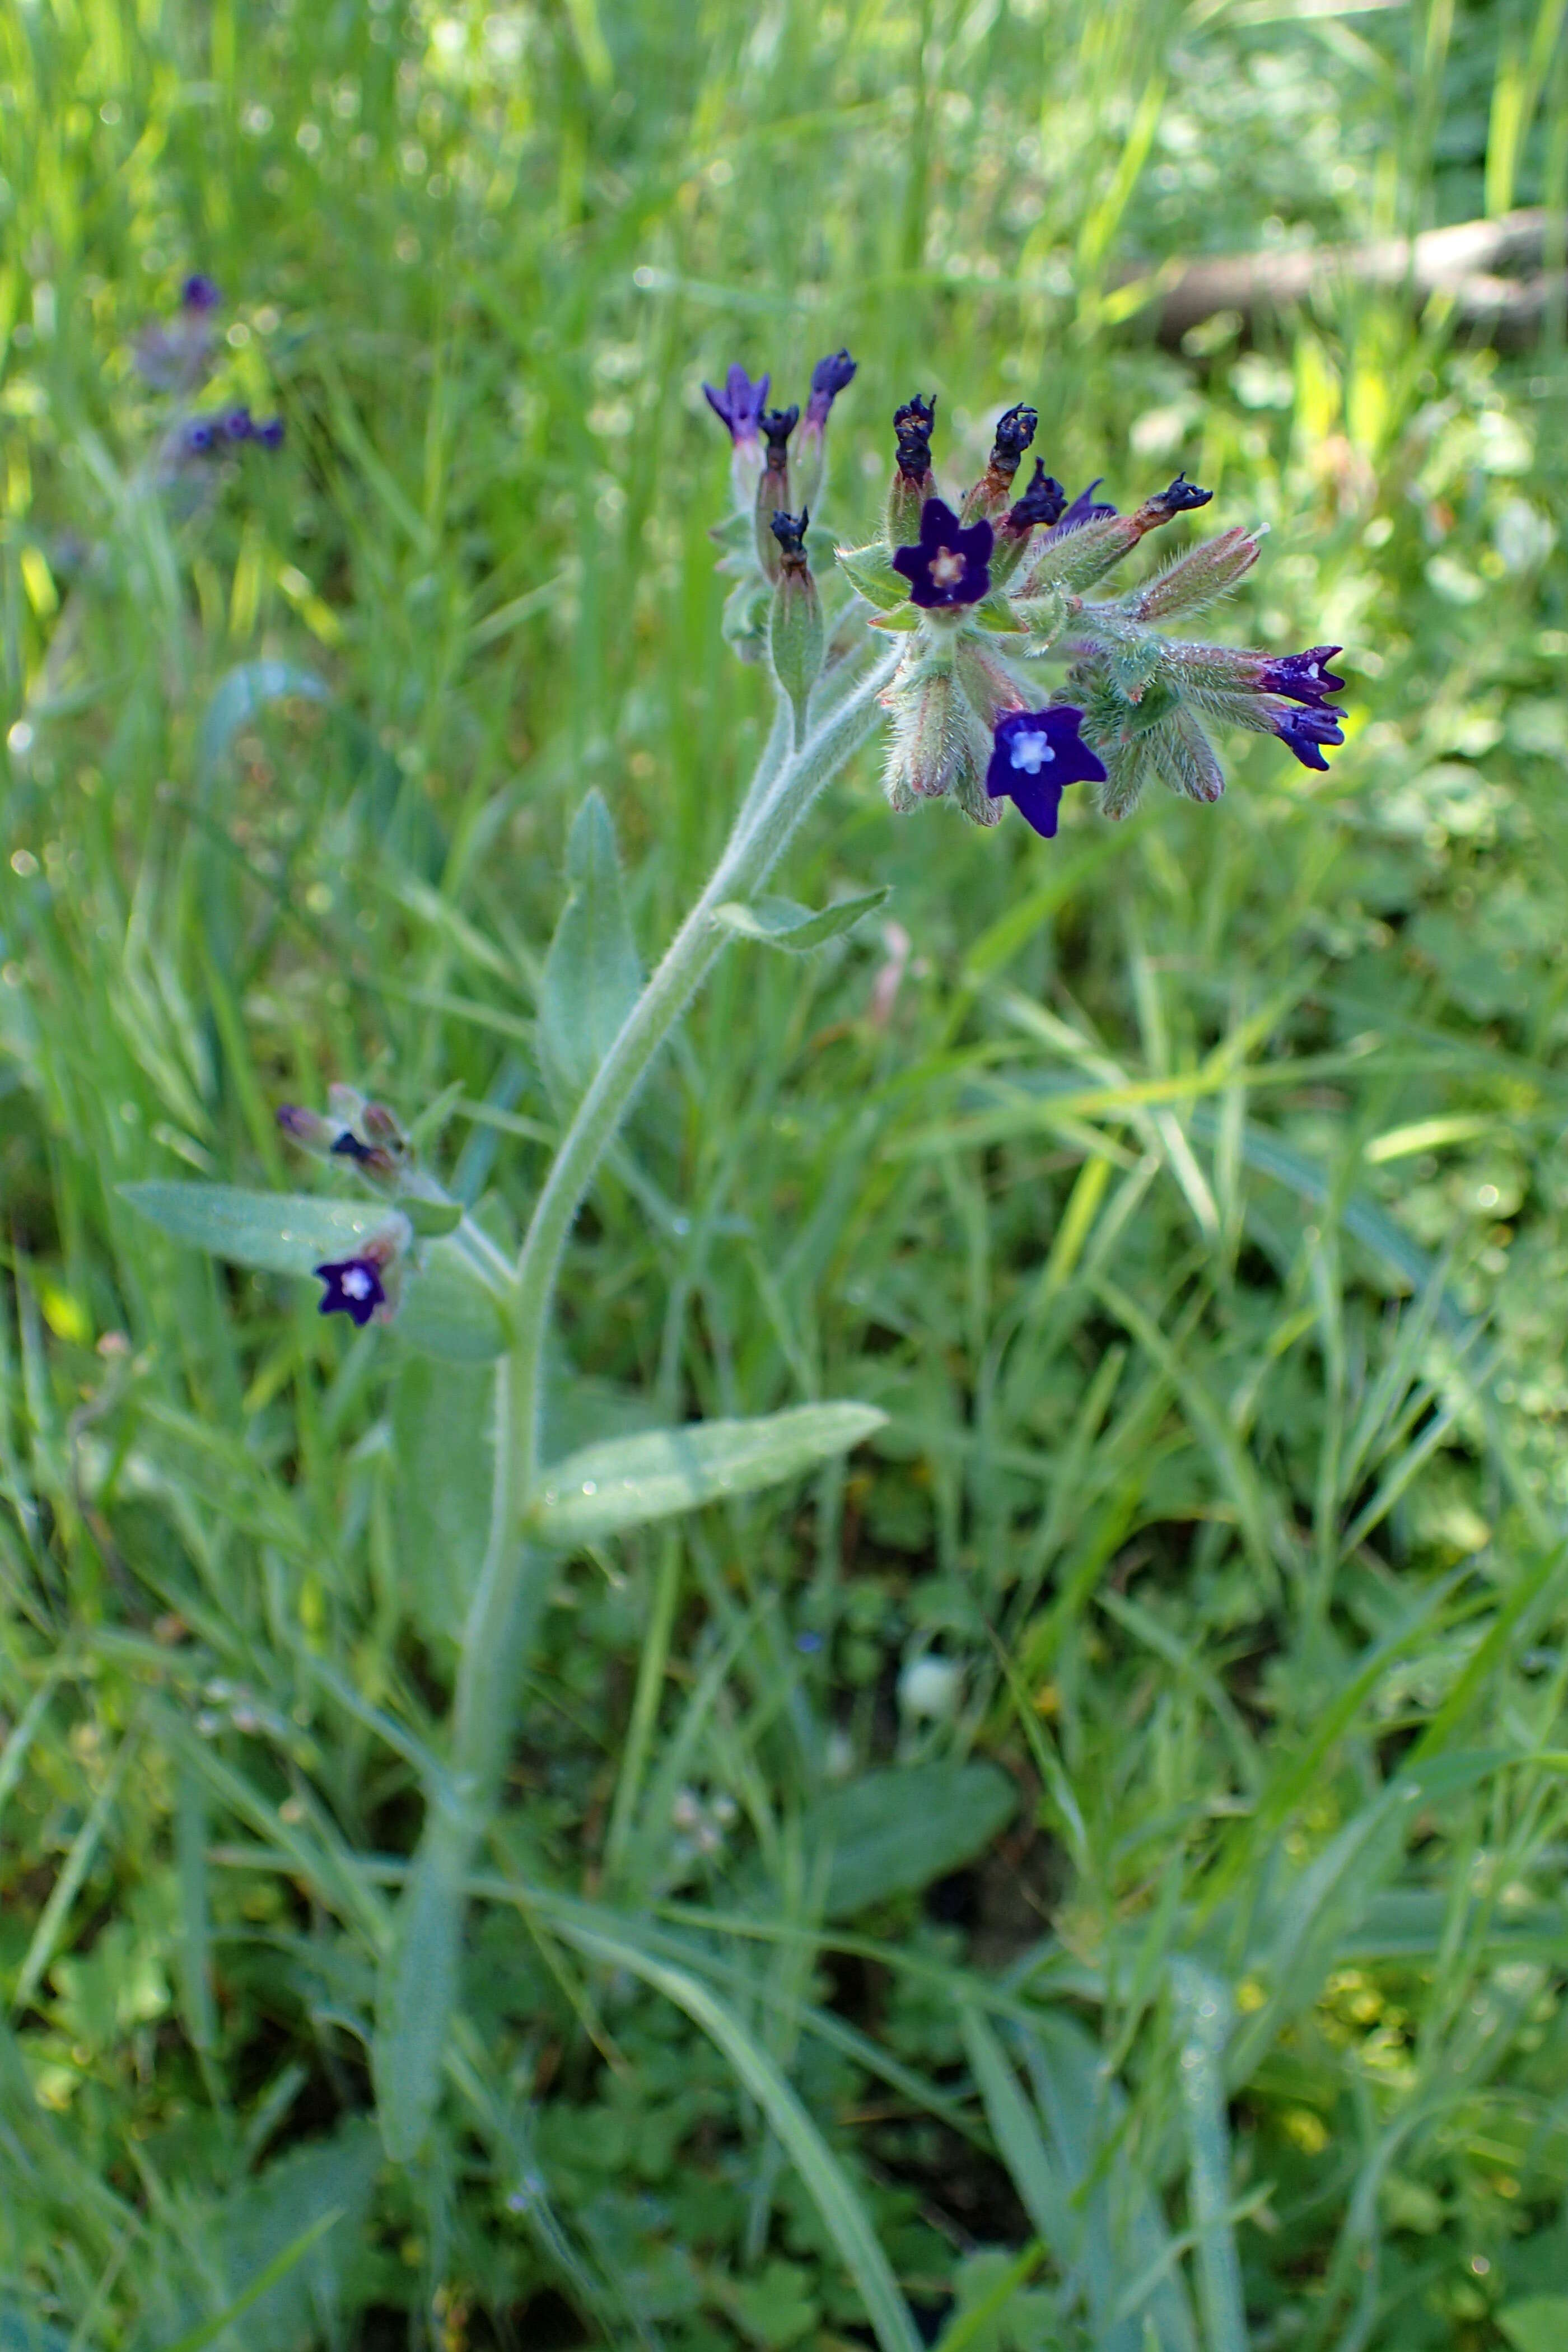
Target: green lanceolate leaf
{"points": [[780, 923], [447, 1308], [869, 571], [892, 1831], [631, 1480], [431, 1218], [591, 976]]}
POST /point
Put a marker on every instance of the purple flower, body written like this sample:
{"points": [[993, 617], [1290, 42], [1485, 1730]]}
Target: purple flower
{"points": [[1304, 677], [1037, 754], [949, 564], [269, 435], [790, 531], [1302, 731], [1084, 508], [912, 423], [200, 436], [239, 425], [740, 405], [199, 292], [353, 1287], [828, 378], [1042, 501]]}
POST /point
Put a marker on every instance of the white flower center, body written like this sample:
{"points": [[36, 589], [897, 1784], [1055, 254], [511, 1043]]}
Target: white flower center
{"points": [[948, 567], [1031, 752], [356, 1283]]}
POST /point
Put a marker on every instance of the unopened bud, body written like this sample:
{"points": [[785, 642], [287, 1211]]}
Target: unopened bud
{"points": [[1186, 758], [1015, 431], [796, 627], [828, 379], [1198, 578], [913, 482], [929, 740], [772, 489]]}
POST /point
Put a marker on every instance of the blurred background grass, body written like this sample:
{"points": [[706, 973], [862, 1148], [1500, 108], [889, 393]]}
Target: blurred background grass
{"points": [[1191, 1195]]}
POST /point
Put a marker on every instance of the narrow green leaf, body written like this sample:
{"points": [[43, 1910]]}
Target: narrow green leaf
{"points": [[1207, 2014], [430, 1219], [843, 2214], [780, 923], [447, 1307], [591, 976], [631, 1480], [1537, 2324], [210, 2330], [417, 1987], [893, 1830]]}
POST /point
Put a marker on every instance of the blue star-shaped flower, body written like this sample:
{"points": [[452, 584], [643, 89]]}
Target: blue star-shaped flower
{"points": [[353, 1287], [740, 405], [948, 564], [1037, 754], [1302, 732], [1304, 677]]}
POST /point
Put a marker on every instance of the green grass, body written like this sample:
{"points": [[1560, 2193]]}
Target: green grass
{"points": [[1197, 1213]]}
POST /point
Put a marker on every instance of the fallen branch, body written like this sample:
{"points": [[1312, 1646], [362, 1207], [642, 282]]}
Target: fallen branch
{"points": [[1463, 264]]}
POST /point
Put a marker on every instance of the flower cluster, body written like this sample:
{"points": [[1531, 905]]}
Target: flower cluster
{"points": [[985, 588], [176, 356]]}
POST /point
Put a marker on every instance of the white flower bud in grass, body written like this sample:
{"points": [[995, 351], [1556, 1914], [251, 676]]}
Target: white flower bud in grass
{"points": [[928, 1689]]}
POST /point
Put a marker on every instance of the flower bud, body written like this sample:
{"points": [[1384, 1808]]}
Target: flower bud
{"points": [[772, 491], [913, 482], [1196, 578], [1042, 503], [929, 737], [1015, 431], [739, 407], [828, 379], [795, 626], [1186, 758]]}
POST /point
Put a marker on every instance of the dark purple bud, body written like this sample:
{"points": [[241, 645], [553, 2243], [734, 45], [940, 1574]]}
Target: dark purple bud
{"points": [[269, 435], [1084, 508], [1042, 502], [347, 1145], [777, 425], [1302, 731], [239, 425], [790, 531], [199, 292], [950, 564], [740, 405], [913, 425], [200, 436], [1180, 498], [828, 378], [1037, 754], [1304, 677], [1015, 431], [353, 1287]]}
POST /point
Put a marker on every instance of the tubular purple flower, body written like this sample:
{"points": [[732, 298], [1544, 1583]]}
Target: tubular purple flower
{"points": [[1037, 754], [828, 379], [1084, 508], [950, 564], [1304, 677], [199, 292], [740, 405], [1304, 731]]}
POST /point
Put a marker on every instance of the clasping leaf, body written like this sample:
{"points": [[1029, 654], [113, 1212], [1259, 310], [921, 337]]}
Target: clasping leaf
{"points": [[780, 923]]}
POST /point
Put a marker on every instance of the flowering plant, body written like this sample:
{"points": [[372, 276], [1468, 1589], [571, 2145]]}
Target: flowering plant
{"points": [[942, 626]]}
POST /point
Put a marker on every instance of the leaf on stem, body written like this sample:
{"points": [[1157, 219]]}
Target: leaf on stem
{"points": [[895, 1830], [780, 923], [591, 975], [631, 1480]]}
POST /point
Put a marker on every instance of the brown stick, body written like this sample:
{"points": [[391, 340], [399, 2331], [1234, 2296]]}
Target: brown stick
{"points": [[1462, 263]]}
